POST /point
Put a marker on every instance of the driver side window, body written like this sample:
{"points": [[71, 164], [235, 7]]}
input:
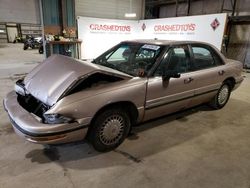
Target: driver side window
{"points": [[177, 59]]}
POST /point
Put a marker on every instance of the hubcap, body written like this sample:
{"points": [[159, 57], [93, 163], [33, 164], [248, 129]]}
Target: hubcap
{"points": [[112, 129], [223, 95]]}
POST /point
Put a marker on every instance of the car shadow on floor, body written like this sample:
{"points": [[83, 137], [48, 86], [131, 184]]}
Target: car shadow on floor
{"points": [[145, 140]]}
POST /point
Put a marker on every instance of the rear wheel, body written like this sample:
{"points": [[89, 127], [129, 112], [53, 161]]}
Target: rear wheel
{"points": [[109, 129], [222, 96]]}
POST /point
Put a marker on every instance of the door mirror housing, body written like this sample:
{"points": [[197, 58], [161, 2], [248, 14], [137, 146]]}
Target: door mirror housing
{"points": [[170, 74]]}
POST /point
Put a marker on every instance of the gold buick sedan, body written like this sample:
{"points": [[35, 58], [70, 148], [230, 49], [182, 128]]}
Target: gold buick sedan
{"points": [[64, 99]]}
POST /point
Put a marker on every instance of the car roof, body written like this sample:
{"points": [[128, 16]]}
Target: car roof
{"points": [[165, 42], [174, 42]]}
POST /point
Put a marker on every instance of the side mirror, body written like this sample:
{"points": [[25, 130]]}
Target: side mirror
{"points": [[170, 74]]}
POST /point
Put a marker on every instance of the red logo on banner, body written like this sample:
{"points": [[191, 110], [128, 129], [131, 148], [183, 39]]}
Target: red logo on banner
{"points": [[215, 24], [175, 27], [108, 28], [143, 27]]}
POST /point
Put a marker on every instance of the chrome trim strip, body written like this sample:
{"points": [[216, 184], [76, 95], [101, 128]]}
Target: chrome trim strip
{"points": [[168, 99], [178, 100]]}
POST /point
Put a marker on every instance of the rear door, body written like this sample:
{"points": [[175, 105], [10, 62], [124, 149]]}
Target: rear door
{"points": [[208, 72], [173, 94]]}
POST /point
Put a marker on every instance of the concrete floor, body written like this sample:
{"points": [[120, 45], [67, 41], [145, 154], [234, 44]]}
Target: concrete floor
{"points": [[198, 148]]}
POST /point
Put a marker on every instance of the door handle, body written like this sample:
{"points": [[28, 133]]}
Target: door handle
{"points": [[221, 72], [186, 81]]}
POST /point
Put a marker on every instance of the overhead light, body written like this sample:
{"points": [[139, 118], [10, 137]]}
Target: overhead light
{"points": [[130, 15]]}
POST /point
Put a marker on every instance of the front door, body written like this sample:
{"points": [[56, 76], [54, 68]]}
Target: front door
{"points": [[173, 94]]}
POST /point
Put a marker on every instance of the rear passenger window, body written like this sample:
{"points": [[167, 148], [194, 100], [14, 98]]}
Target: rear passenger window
{"points": [[202, 58], [217, 58]]}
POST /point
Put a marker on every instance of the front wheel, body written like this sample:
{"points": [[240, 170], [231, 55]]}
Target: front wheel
{"points": [[40, 50], [222, 96], [25, 47], [109, 129]]}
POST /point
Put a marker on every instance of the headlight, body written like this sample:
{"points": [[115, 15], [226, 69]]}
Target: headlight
{"points": [[19, 87], [56, 119]]}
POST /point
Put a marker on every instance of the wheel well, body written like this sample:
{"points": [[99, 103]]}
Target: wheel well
{"points": [[231, 82], [129, 107]]}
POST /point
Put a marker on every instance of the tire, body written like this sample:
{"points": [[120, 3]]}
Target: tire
{"points": [[25, 47], [109, 129], [222, 96], [40, 50]]}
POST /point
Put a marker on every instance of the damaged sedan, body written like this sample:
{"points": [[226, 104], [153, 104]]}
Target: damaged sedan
{"points": [[64, 99]]}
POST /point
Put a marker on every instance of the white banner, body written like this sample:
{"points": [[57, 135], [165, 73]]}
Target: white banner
{"points": [[206, 28], [98, 35]]}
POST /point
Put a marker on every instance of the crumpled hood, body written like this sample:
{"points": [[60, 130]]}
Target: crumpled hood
{"points": [[48, 81]]}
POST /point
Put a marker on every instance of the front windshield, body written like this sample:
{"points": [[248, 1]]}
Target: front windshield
{"points": [[131, 58]]}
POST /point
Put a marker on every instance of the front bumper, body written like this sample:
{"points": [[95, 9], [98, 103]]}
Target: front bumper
{"points": [[28, 125]]}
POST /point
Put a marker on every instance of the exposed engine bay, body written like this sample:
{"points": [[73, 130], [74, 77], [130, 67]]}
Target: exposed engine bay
{"points": [[93, 80], [35, 106]]}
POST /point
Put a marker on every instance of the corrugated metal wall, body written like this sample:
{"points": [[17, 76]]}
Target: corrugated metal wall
{"points": [[200, 7], [3, 33], [239, 40], [51, 12], [243, 7], [31, 29], [113, 9], [20, 11], [70, 10], [239, 44]]}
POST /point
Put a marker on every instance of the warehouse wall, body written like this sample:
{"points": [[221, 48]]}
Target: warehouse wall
{"points": [[239, 40], [200, 7], [3, 33], [113, 9], [239, 45], [243, 7], [20, 11]]}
